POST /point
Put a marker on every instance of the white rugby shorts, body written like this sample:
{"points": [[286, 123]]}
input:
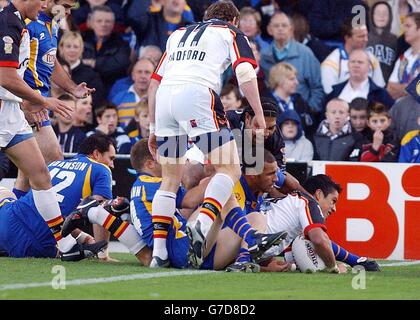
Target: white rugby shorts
{"points": [[12, 122]]}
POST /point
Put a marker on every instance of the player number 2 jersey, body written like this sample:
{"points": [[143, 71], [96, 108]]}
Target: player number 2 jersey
{"points": [[201, 52]]}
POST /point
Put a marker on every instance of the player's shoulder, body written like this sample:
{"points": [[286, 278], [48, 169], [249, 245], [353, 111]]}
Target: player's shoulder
{"points": [[301, 197], [99, 166], [224, 25], [147, 184], [148, 180], [10, 19], [409, 136]]}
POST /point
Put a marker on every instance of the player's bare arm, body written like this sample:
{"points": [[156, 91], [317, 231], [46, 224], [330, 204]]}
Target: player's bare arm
{"points": [[63, 80], [322, 246], [10, 80], [247, 80]]}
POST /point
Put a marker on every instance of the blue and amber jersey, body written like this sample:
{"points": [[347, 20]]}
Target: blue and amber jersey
{"points": [[77, 178], [23, 232], [142, 193], [410, 147], [44, 38], [245, 197]]}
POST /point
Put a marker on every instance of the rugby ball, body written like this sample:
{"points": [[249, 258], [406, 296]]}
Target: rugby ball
{"points": [[305, 256]]}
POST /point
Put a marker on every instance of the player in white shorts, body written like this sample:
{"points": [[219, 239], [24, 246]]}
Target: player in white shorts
{"points": [[184, 102], [16, 137]]}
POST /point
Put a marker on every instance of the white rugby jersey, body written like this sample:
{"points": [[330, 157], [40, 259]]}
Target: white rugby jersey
{"points": [[14, 45], [201, 52], [295, 213]]}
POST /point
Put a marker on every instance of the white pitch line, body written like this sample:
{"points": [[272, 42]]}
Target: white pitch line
{"points": [[399, 264], [81, 282]]}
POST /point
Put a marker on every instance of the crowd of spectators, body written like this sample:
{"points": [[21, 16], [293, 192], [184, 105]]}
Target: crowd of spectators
{"points": [[333, 67]]}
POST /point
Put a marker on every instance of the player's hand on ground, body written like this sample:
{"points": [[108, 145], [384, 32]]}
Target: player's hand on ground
{"points": [[275, 265], [59, 107], [342, 267], [108, 259], [152, 145], [82, 91]]}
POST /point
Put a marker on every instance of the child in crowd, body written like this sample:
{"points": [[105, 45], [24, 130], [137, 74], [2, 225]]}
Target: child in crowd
{"points": [[297, 147], [382, 144], [231, 97], [138, 127]]}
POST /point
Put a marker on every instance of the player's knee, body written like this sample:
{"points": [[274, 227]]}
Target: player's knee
{"points": [[39, 178]]}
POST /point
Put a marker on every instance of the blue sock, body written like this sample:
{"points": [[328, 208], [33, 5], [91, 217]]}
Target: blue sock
{"points": [[343, 255], [19, 193], [237, 221], [243, 256]]}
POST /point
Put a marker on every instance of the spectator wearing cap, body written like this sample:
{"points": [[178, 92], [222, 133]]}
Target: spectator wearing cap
{"points": [[285, 49]]}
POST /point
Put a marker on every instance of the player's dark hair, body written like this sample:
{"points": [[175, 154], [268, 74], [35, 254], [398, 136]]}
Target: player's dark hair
{"points": [[359, 104], [140, 154], [269, 157], [97, 141], [222, 10], [269, 106], [322, 182], [66, 97], [378, 108], [101, 110]]}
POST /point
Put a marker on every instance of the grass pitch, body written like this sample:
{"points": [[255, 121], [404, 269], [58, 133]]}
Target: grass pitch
{"points": [[91, 279]]}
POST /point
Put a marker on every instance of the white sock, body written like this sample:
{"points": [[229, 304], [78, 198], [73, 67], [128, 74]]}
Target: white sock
{"points": [[129, 236], [65, 244], [163, 209], [217, 193], [47, 205]]}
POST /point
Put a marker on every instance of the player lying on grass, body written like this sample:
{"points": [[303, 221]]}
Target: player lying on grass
{"points": [[249, 192], [299, 213], [24, 233]]}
